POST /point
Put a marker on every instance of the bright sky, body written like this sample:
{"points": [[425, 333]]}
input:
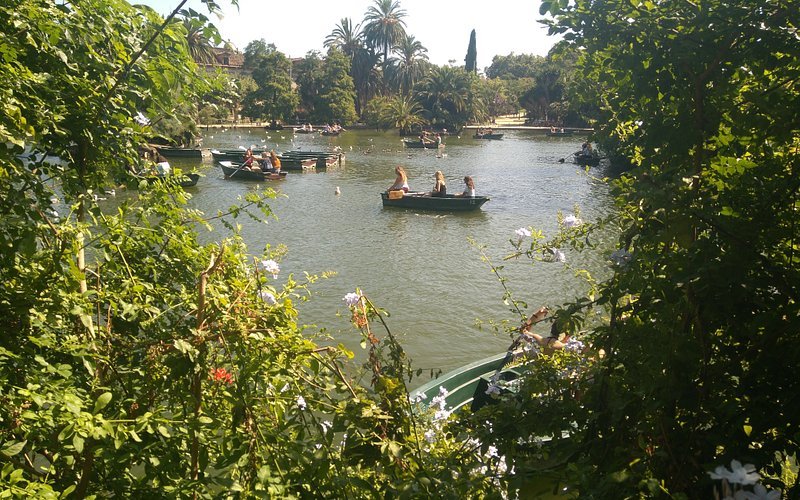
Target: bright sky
{"points": [[442, 26]]}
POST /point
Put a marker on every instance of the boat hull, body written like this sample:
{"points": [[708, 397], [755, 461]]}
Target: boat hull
{"points": [[232, 171], [421, 145], [488, 136], [449, 203], [168, 152]]}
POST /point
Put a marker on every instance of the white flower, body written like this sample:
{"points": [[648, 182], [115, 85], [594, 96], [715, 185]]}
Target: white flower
{"points": [[554, 255], [522, 232], [759, 493], [574, 345], [267, 297], [493, 389], [620, 257], [141, 119], [572, 221], [326, 425], [301, 402], [351, 299], [271, 267], [441, 415], [739, 474]]}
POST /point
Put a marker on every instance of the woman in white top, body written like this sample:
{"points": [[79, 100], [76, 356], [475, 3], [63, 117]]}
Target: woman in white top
{"points": [[469, 189]]}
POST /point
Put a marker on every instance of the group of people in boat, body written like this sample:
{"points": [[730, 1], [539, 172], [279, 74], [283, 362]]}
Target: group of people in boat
{"points": [[484, 131], [332, 128], [439, 187], [267, 163], [430, 139]]}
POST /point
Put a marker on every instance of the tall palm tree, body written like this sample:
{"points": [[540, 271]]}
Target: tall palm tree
{"points": [[366, 76], [409, 65], [384, 26], [199, 36], [346, 37]]}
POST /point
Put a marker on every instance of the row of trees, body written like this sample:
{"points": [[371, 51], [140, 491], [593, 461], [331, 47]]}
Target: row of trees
{"points": [[378, 73]]}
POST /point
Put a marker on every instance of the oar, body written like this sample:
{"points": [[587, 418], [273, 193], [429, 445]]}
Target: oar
{"points": [[573, 154], [237, 170]]}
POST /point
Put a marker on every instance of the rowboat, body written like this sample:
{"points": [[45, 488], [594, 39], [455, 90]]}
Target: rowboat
{"points": [[170, 152], [466, 385], [234, 171], [303, 131], [487, 136], [290, 160], [560, 133], [590, 160], [420, 201], [421, 145], [331, 132]]}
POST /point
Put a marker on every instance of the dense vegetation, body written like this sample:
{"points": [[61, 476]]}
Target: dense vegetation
{"points": [[136, 361]]}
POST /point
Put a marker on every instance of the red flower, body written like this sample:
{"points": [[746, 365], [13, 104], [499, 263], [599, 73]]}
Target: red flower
{"points": [[221, 375]]}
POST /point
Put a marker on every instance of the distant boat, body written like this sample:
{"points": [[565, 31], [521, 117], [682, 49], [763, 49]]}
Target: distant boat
{"points": [[448, 203], [170, 152], [304, 131], [559, 133], [290, 160], [331, 132], [421, 145], [234, 171], [487, 136]]}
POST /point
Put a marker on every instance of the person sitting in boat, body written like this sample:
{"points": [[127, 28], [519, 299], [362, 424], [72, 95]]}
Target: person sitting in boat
{"points": [[586, 149], [439, 188], [469, 187], [266, 162], [247, 164], [276, 162], [401, 181], [438, 140], [163, 167]]}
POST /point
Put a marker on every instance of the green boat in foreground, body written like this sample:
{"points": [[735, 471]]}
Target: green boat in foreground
{"points": [[465, 385]]}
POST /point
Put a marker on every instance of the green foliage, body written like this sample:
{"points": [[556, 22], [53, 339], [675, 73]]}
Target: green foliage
{"points": [[274, 98], [700, 317], [471, 60]]}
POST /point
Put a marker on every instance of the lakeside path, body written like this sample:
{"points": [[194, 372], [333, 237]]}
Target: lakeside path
{"points": [[508, 122]]}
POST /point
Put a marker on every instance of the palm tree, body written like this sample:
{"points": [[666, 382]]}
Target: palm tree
{"points": [[366, 76], [404, 113], [384, 26], [199, 35], [409, 65], [346, 37], [445, 93]]}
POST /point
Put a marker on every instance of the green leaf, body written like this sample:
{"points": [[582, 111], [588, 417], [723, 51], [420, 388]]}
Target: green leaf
{"points": [[12, 448], [77, 442], [102, 402]]}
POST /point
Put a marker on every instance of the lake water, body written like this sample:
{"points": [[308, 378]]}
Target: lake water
{"points": [[418, 266]]}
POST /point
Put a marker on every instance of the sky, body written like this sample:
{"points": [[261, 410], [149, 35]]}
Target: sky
{"points": [[442, 26]]}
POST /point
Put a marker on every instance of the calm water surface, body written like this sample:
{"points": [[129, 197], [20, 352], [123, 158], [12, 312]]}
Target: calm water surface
{"points": [[419, 266]]}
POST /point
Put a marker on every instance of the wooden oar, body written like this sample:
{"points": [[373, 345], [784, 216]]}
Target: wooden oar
{"points": [[237, 170]]}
